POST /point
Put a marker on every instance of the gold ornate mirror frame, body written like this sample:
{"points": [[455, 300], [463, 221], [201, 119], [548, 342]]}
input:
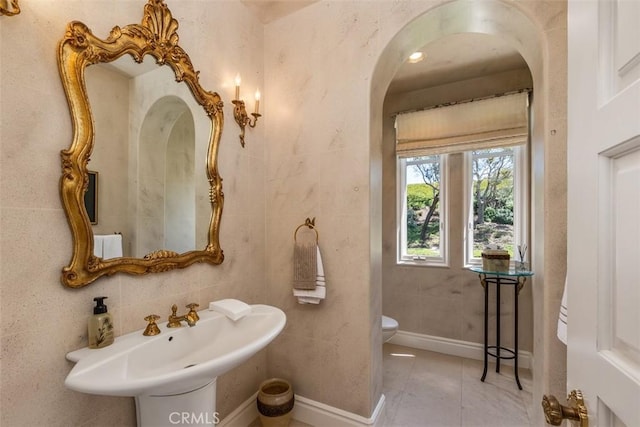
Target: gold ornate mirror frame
{"points": [[9, 7], [156, 36]]}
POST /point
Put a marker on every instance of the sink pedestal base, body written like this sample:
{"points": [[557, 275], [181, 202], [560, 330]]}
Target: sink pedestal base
{"points": [[193, 408]]}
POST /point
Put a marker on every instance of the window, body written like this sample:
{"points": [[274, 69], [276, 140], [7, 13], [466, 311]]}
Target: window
{"points": [[422, 236], [496, 200], [490, 137], [496, 205]]}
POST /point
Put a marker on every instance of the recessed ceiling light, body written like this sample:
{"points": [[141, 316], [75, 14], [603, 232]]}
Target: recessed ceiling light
{"points": [[416, 57]]}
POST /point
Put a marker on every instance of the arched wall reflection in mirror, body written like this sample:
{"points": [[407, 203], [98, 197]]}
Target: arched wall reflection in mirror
{"points": [[148, 137], [151, 180]]}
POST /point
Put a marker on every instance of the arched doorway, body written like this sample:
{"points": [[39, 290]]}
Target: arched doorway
{"points": [[512, 25]]}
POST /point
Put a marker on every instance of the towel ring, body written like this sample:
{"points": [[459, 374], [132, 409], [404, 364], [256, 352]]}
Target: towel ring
{"points": [[311, 223]]}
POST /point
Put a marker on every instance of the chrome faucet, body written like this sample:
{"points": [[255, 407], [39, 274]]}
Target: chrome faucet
{"points": [[191, 317]]}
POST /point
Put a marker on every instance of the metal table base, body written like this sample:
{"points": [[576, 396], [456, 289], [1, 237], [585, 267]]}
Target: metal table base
{"points": [[517, 281]]}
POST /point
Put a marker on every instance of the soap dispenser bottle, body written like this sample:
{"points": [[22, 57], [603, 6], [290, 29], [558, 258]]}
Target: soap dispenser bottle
{"points": [[100, 325]]}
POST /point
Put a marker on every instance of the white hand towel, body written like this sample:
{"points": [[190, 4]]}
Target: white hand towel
{"points": [[563, 317], [112, 246], [234, 309], [320, 292]]}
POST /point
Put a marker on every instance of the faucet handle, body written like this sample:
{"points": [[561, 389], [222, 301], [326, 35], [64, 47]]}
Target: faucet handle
{"points": [[152, 327], [192, 309]]}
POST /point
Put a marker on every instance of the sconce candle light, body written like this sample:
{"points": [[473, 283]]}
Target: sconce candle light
{"points": [[240, 113]]}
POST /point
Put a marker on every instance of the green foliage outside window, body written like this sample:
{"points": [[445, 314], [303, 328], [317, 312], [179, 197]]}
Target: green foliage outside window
{"points": [[419, 198]]}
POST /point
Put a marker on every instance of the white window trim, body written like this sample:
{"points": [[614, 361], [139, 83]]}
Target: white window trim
{"points": [[520, 204], [402, 259]]}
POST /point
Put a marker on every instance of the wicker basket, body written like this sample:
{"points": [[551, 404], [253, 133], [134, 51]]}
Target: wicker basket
{"points": [[495, 260]]}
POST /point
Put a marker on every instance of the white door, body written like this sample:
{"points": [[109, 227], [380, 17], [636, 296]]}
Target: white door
{"points": [[604, 209]]}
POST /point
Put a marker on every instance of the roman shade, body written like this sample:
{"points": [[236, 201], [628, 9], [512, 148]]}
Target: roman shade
{"points": [[494, 122]]}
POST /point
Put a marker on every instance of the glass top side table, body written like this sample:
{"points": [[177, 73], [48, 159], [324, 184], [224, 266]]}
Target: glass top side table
{"points": [[511, 273], [517, 279]]}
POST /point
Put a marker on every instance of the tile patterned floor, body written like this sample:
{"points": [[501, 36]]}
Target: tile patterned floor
{"points": [[427, 389]]}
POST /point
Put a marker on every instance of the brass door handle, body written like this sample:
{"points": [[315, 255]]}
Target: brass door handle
{"points": [[554, 412]]}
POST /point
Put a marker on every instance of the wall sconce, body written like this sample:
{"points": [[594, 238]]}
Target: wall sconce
{"points": [[9, 7], [240, 113]]}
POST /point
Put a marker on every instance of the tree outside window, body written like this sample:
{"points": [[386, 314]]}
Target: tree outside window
{"points": [[493, 199], [423, 224]]}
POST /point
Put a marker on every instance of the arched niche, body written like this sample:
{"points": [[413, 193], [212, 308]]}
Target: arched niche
{"points": [[166, 190]]}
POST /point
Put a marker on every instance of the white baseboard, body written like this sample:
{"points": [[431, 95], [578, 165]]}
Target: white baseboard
{"points": [[243, 415], [320, 415], [467, 349], [310, 412]]}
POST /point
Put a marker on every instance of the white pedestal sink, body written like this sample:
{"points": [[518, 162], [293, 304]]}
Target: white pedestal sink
{"points": [[173, 375], [197, 407]]}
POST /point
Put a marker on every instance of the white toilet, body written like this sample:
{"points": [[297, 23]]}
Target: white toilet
{"points": [[389, 328]]}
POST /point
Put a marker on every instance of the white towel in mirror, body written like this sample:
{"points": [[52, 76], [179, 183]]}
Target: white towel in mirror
{"points": [[98, 244], [107, 246], [112, 246]]}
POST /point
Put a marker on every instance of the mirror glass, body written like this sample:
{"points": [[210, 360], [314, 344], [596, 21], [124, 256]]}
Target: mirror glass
{"points": [[145, 153], [151, 133]]}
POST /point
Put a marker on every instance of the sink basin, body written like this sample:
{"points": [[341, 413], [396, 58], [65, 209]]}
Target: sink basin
{"points": [[178, 360]]}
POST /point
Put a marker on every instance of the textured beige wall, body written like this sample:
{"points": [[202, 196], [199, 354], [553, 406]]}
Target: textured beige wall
{"points": [[445, 302], [318, 166], [549, 353], [42, 320]]}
